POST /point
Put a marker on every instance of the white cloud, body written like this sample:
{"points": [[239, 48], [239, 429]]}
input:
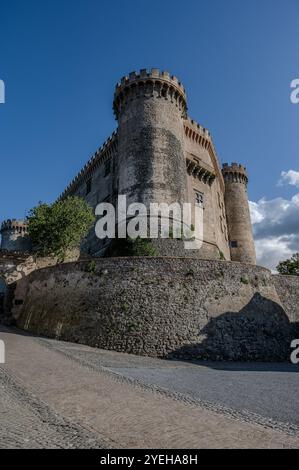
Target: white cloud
{"points": [[270, 251], [255, 213], [276, 229], [289, 177]]}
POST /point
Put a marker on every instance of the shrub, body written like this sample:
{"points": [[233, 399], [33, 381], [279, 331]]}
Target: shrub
{"points": [[58, 228], [290, 266]]}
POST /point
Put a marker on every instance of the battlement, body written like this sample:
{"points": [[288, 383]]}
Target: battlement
{"points": [[152, 82], [193, 129], [202, 136], [15, 236], [13, 225], [104, 152], [235, 173]]}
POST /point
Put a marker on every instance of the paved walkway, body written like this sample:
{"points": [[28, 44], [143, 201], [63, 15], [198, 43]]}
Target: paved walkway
{"points": [[63, 395]]}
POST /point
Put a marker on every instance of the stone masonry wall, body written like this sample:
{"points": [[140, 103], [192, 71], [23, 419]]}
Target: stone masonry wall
{"points": [[287, 287], [15, 266], [160, 307]]}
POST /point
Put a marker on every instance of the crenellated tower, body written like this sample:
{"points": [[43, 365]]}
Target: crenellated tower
{"points": [[158, 154], [238, 216], [14, 235], [150, 107]]}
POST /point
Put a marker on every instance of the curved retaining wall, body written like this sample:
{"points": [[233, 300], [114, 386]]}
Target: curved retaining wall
{"points": [[165, 307], [287, 288]]}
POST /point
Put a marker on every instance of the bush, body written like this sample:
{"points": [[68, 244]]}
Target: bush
{"points": [[58, 228], [290, 266]]}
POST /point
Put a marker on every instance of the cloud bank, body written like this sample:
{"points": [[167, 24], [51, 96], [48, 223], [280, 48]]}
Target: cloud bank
{"points": [[276, 225], [289, 177]]}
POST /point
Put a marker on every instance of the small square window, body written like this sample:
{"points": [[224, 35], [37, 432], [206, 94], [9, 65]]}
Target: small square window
{"points": [[234, 244], [199, 199]]}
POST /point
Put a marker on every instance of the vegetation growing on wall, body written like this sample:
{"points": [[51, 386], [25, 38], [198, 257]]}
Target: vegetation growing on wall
{"points": [[58, 228], [131, 247]]}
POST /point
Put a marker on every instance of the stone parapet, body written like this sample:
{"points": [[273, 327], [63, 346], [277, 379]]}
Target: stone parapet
{"points": [[104, 152], [235, 173], [14, 225], [149, 82]]}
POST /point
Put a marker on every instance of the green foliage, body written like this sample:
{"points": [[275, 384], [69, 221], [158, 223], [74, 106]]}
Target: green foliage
{"points": [[221, 255], [132, 325], [91, 267], [180, 235], [244, 280], [290, 266], [55, 229], [131, 247], [190, 272]]}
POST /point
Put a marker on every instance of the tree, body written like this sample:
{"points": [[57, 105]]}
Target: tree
{"points": [[290, 266], [55, 229]]}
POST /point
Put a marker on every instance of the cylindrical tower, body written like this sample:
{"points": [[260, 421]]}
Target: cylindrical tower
{"points": [[238, 216], [14, 236], [150, 107]]}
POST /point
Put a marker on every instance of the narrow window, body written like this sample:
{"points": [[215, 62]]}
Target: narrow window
{"points": [[234, 244], [107, 168], [199, 199], [88, 186]]}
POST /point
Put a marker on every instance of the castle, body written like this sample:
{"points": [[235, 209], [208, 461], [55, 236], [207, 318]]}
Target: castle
{"points": [[212, 303], [159, 155]]}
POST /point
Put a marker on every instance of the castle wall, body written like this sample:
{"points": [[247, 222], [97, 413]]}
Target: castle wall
{"points": [[287, 288], [160, 155], [97, 183], [101, 190], [198, 149], [166, 307], [15, 266]]}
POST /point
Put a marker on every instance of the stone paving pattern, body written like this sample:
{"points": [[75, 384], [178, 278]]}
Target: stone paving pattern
{"points": [[63, 395]]}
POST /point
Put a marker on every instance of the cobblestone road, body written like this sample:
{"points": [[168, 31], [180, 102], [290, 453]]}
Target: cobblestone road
{"points": [[63, 395]]}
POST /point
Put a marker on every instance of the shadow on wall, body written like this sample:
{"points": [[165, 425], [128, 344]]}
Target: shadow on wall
{"points": [[261, 331], [2, 297], [295, 330]]}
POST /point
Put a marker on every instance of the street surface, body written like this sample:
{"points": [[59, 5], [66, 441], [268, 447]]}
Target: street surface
{"points": [[64, 395]]}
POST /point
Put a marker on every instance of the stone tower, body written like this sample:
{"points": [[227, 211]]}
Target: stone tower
{"points": [[238, 216], [14, 236], [150, 107]]}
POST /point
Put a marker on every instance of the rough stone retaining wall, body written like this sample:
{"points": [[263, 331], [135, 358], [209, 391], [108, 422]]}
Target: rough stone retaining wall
{"points": [[15, 266], [287, 287], [165, 307]]}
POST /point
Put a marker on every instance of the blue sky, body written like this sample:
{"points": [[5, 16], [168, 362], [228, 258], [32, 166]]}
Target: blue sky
{"points": [[60, 61]]}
